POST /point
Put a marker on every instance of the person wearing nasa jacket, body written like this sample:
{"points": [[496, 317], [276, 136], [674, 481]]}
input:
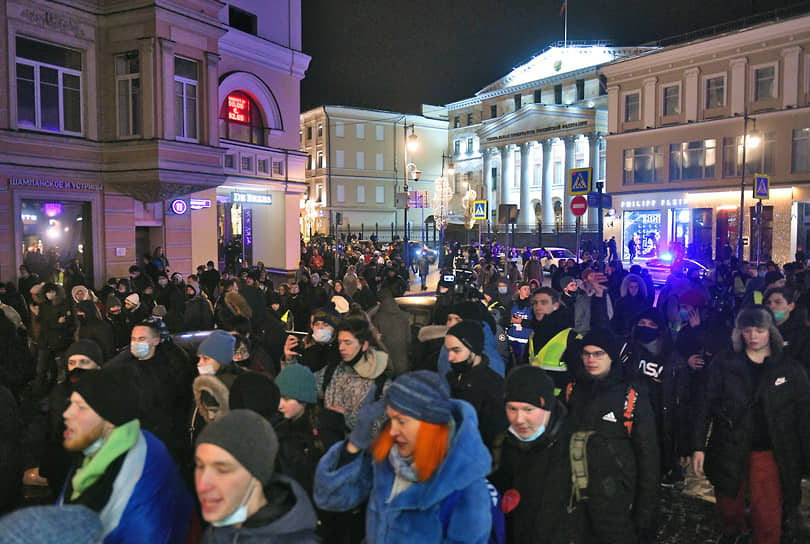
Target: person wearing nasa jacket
{"points": [[649, 356]]}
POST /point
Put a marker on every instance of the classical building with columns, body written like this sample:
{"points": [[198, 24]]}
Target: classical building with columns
{"points": [[677, 120], [515, 140]]}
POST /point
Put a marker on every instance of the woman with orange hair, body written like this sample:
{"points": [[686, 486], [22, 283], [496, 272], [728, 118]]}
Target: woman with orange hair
{"points": [[428, 451]]}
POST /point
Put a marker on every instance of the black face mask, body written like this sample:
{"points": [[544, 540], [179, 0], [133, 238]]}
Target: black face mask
{"points": [[645, 334], [356, 358], [76, 374], [462, 367]]}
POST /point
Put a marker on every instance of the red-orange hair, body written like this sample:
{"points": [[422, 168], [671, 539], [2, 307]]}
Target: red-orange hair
{"points": [[429, 452]]}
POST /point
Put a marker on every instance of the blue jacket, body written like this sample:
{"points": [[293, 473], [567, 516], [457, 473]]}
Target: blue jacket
{"points": [[413, 515], [490, 350]]}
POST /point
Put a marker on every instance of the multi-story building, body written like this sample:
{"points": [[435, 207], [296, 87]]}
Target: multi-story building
{"points": [[356, 164], [678, 117], [514, 141], [168, 123]]}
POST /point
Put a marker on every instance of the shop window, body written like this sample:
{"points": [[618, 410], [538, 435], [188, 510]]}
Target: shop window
{"points": [[757, 160], [766, 246], [645, 228], [692, 160], [800, 151], [643, 165], [128, 94], [49, 87], [185, 98], [240, 120], [632, 107], [715, 91], [671, 100]]}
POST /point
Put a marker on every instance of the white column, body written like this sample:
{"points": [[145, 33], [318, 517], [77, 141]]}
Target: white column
{"points": [[526, 216], [648, 101], [548, 179], [736, 85], [507, 172], [149, 93], [167, 86], [790, 76], [212, 100], [570, 148], [593, 162], [691, 94]]}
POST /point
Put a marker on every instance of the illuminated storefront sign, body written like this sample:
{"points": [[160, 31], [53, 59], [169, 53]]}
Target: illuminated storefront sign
{"points": [[199, 203], [252, 198], [238, 108]]}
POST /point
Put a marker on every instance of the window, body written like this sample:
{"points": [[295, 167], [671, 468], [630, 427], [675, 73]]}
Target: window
{"points": [[320, 195], [185, 98], [469, 145], [715, 92], [321, 161], [538, 96], [339, 129], [339, 159], [380, 194], [240, 119], [361, 160], [378, 161], [671, 100], [558, 94], [469, 119], [241, 20], [320, 130], [580, 152], [310, 164], [380, 132], [128, 94], [457, 147], [580, 89], [309, 133], [643, 165], [456, 122], [278, 168], [800, 150], [361, 193], [49, 91], [230, 161], [632, 107], [247, 163], [360, 131], [517, 99], [692, 160], [764, 82], [493, 111], [602, 84], [262, 166], [757, 160], [340, 190]]}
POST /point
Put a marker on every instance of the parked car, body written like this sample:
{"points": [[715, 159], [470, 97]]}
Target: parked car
{"points": [[661, 267], [550, 257]]}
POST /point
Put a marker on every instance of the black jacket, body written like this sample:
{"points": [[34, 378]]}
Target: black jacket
{"points": [[483, 388], [797, 338], [299, 447], [540, 471], [727, 406]]}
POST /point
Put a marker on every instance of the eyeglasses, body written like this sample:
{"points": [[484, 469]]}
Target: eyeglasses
{"points": [[593, 354]]}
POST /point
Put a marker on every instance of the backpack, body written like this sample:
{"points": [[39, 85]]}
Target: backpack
{"points": [[497, 534]]}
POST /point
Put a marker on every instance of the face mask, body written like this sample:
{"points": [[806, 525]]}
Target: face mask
{"points": [[462, 367], [322, 335], [206, 370], [761, 273], [76, 374], [779, 315], [93, 448], [502, 290], [50, 296], [139, 349], [240, 514], [684, 315], [646, 334], [163, 283], [540, 431]]}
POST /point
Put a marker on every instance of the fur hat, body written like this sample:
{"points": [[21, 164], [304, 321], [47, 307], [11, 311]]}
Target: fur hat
{"points": [[327, 315], [218, 346], [79, 289]]}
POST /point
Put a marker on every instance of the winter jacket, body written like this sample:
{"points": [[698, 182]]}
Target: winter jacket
{"points": [[299, 447], [540, 471], [797, 338], [54, 334], [393, 324], [413, 514], [11, 454], [623, 467], [140, 497], [483, 388], [496, 362], [197, 314], [287, 518], [728, 408]]}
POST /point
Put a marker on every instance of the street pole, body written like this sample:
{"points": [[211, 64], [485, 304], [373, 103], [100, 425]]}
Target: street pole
{"points": [[600, 227], [759, 229], [579, 222]]}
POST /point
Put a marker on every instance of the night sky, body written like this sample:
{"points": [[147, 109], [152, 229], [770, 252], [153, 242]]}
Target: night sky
{"points": [[398, 54]]}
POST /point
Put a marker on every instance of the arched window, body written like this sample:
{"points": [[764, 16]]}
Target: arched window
{"points": [[240, 119]]}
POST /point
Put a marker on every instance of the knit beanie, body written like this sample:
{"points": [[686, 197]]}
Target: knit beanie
{"points": [[66, 524], [467, 310], [529, 384], [112, 301], [133, 299], [327, 315], [469, 333], [86, 347], [218, 346], [257, 392], [422, 394], [110, 393], [604, 339], [248, 437], [298, 382]]}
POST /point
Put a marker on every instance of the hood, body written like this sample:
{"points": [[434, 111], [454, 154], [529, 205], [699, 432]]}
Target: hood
{"points": [[642, 287], [372, 364], [214, 387]]}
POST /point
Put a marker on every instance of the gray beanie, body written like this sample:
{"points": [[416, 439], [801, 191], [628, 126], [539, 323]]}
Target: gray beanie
{"points": [[248, 437], [298, 382], [218, 346]]}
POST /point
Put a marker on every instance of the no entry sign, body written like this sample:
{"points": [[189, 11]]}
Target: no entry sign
{"points": [[579, 205]]}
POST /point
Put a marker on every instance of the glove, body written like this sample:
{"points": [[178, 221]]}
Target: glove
{"points": [[370, 411]]}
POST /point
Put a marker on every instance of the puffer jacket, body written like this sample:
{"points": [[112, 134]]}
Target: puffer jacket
{"points": [[727, 408], [413, 514]]}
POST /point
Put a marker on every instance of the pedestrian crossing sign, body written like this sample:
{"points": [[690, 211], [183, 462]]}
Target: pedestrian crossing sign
{"points": [[579, 180], [480, 210], [762, 186]]}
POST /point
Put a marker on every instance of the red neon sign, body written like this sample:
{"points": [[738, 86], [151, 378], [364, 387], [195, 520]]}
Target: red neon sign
{"points": [[238, 108]]}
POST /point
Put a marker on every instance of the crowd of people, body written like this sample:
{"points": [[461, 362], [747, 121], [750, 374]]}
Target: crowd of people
{"points": [[232, 406]]}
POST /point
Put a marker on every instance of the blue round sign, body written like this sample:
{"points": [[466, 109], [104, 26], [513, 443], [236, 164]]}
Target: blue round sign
{"points": [[179, 206]]}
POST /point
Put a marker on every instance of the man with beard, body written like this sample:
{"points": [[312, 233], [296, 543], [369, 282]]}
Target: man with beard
{"points": [[125, 474]]}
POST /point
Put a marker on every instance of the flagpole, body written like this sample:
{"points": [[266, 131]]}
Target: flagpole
{"points": [[565, 36]]}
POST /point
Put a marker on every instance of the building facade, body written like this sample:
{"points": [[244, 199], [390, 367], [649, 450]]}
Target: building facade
{"points": [[356, 164], [116, 135], [515, 140], [678, 117]]}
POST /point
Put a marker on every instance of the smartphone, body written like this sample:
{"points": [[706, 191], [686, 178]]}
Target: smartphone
{"points": [[298, 334]]}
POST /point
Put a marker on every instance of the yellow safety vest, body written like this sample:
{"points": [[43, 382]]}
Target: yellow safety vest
{"points": [[549, 358]]}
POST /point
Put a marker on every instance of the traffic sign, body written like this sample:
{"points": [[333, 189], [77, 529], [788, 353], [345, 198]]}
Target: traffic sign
{"points": [[762, 186], [480, 210], [593, 200], [579, 205], [579, 180]]}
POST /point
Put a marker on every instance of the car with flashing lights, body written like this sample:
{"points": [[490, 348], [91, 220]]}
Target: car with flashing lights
{"points": [[550, 257], [661, 267]]}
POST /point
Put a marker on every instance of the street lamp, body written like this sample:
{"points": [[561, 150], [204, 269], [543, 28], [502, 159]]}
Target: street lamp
{"points": [[745, 143], [411, 144]]}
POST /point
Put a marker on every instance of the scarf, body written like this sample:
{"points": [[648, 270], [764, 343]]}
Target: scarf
{"points": [[403, 466], [120, 441]]}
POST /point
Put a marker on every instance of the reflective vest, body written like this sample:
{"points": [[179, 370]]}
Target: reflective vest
{"points": [[549, 357]]}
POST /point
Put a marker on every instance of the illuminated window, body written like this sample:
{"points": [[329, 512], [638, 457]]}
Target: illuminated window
{"points": [[240, 119], [692, 160], [643, 165], [757, 160]]}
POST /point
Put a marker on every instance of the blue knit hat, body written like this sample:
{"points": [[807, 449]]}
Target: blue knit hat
{"points": [[218, 346], [298, 382], [68, 524], [422, 394]]}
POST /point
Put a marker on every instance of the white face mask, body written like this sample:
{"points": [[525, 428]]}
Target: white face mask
{"points": [[206, 370], [240, 514], [139, 349], [322, 335], [93, 448]]}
